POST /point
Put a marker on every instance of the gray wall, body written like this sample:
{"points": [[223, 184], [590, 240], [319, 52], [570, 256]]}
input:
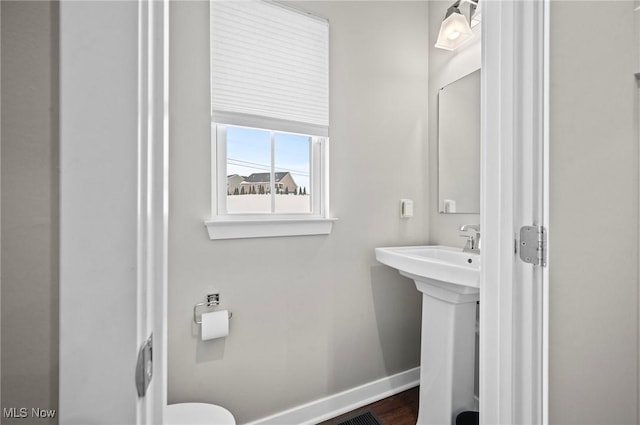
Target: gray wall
{"points": [[314, 315], [593, 263], [444, 68], [29, 206]]}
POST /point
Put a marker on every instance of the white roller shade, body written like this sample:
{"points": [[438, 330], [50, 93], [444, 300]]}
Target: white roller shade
{"points": [[269, 67]]}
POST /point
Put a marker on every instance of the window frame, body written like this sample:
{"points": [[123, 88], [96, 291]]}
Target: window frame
{"points": [[225, 225], [301, 108]]}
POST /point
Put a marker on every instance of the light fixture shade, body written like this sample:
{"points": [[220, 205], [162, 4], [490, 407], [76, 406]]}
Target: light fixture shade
{"points": [[454, 31]]}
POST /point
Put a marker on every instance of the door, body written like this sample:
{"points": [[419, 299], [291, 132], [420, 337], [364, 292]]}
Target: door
{"points": [[113, 204]]}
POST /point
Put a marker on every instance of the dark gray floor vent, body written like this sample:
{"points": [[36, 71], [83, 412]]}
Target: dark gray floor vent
{"points": [[362, 418]]}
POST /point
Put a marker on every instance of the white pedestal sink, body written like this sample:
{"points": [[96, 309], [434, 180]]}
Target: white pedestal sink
{"points": [[449, 281]]}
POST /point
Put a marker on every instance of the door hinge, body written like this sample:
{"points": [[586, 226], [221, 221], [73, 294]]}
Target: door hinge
{"points": [[533, 245], [144, 366]]}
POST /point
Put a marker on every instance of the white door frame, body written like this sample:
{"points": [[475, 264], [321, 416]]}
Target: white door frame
{"points": [[113, 219], [513, 335], [153, 196]]}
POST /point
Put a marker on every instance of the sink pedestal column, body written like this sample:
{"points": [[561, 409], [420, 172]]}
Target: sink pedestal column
{"points": [[448, 350]]}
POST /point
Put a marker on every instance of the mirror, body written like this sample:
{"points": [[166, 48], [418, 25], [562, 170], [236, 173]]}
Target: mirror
{"points": [[459, 146]]}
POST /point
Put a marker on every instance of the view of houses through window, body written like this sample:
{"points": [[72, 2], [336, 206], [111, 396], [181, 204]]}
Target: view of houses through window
{"points": [[267, 171]]}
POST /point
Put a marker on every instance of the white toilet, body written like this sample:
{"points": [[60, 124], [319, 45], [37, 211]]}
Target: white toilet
{"points": [[197, 414]]}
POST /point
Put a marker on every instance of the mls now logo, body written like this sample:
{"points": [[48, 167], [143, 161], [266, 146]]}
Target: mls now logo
{"points": [[23, 412]]}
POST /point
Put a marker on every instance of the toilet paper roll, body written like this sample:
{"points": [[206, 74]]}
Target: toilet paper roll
{"points": [[215, 325]]}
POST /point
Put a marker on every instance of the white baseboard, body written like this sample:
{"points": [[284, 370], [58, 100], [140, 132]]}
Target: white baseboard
{"points": [[345, 401]]}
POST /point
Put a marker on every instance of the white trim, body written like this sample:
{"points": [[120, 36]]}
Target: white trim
{"points": [[545, 211], [494, 123], [323, 161], [218, 169], [153, 193], [152, 202], [512, 380], [240, 229], [280, 125], [145, 112], [272, 172], [317, 182], [345, 401]]}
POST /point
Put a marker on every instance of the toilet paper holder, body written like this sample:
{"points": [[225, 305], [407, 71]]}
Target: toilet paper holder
{"points": [[212, 301]]}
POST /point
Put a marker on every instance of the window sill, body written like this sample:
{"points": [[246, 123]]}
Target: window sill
{"points": [[240, 229]]}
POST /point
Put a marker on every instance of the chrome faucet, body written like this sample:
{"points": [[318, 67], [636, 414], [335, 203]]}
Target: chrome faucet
{"points": [[473, 240]]}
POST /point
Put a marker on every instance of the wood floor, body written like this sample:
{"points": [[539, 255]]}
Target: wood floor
{"points": [[400, 409]]}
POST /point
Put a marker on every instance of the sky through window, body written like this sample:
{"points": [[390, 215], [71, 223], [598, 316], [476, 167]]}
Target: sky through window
{"points": [[249, 151]]}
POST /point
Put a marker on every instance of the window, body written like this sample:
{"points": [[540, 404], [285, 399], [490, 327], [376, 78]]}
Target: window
{"points": [[269, 171], [270, 121]]}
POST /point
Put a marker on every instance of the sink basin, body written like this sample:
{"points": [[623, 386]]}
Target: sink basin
{"points": [[449, 280], [441, 263]]}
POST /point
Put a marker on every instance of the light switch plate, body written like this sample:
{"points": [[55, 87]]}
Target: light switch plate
{"points": [[406, 208]]}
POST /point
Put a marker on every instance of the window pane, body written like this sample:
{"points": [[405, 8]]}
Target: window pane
{"points": [[248, 170], [293, 171]]}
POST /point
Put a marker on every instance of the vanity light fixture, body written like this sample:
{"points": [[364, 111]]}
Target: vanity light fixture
{"points": [[475, 11], [456, 29]]}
